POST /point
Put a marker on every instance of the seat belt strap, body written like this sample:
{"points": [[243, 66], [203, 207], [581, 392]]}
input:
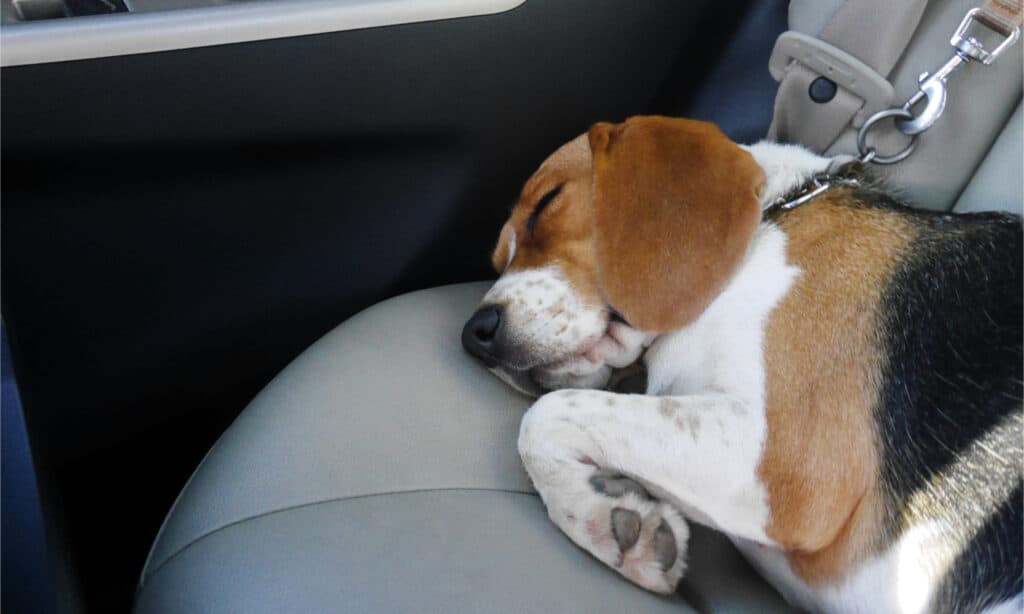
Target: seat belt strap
{"points": [[838, 78], [1003, 16]]}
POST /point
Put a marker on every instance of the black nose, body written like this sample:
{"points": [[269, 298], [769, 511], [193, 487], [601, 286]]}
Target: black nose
{"points": [[480, 331]]}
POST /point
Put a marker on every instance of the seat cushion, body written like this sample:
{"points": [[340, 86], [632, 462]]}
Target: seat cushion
{"points": [[996, 184], [379, 472]]}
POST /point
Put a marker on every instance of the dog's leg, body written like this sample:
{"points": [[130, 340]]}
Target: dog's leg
{"points": [[615, 471]]}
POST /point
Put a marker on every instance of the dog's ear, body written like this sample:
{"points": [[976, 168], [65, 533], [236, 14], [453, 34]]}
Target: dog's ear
{"points": [[675, 208]]}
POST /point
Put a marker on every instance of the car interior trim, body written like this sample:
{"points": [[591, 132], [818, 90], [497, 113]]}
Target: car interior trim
{"points": [[140, 31]]}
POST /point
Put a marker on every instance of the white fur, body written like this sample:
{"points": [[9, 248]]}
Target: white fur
{"points": [[698, 448], [562, 435], [551, 324], [511, 248], [901, 580], [543, 314], [721, 353], [786, 167]]}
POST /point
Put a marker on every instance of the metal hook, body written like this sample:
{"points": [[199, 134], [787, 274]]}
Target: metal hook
{"points": [[932, 89]]}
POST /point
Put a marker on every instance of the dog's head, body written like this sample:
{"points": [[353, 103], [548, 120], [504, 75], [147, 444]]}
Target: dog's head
{"points": [[624, 233]]}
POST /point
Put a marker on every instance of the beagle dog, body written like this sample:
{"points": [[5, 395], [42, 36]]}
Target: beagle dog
{"points": [[836, 386]]}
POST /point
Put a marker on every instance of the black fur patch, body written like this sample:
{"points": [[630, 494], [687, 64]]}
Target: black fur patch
{"points": [[989, 570], [949, 415]]}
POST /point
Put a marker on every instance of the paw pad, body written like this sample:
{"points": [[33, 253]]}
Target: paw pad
{"points": [[646, 537], [625, 527], [614, 485]]}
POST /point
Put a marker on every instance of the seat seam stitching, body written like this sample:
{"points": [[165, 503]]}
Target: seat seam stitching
{"points": [[192, 542]]}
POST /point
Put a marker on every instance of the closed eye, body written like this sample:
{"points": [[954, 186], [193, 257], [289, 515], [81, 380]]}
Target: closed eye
{"points": [[542, 204]]}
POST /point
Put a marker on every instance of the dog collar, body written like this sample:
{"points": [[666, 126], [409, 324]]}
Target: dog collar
{"points": [[818, 185]]}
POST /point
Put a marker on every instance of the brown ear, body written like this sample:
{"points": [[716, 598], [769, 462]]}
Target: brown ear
{"points": [[675, 206]]}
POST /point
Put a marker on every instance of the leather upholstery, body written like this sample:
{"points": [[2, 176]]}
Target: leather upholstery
{"points": [[378, 473], [996, 185]]}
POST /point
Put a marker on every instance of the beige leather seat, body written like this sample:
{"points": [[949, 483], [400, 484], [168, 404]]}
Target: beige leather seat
{"points": [[379, 473]]}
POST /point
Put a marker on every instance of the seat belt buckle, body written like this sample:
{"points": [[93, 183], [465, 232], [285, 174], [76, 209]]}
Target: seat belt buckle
{"points": [[834, 64]]}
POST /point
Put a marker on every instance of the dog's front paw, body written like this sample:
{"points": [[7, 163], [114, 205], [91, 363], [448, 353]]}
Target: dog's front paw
{"points": [[646, 537], [643, 539], [611, 516]]}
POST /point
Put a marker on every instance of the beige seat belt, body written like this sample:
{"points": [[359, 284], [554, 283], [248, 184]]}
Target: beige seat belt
{"points": [[1003, 16], [839, 77]]}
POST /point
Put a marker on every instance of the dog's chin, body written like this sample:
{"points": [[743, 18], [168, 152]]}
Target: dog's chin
{"points": [[574, 372], [557, 378], [539, 380], [519, 380], [591, 366]]}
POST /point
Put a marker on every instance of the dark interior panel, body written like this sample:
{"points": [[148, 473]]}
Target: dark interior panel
{"points": [[137, 190], [164, 277], [177, 226]]}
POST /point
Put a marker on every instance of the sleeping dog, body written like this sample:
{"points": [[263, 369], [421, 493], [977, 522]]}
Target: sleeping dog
{"points": [[833, 379]]}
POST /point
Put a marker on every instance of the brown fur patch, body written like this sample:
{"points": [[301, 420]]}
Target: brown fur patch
{"points": [[822, 360], [675, 208], [563, 235]]}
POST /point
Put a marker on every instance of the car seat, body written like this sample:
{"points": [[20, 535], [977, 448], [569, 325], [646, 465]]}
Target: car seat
{"points": [[378, 472]]}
